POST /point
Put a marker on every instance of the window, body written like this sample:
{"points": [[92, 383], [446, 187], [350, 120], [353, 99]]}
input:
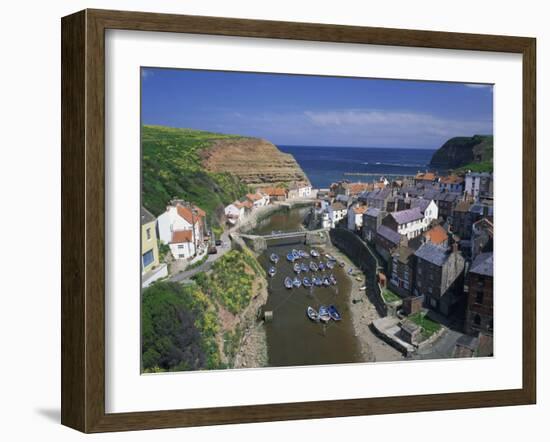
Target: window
{"points": [[181, 256], [430, 290], [180, 246], [479, 297], [148, 258], [419, 271], [148, 233]]}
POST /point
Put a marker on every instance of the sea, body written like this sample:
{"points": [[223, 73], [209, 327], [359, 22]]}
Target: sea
{"points": [[325, 165]]}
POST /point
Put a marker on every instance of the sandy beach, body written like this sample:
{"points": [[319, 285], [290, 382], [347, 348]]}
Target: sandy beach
{"points": [[363, 313]]}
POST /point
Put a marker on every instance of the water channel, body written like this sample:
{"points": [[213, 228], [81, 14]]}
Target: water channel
{"points": [[292, 338]]}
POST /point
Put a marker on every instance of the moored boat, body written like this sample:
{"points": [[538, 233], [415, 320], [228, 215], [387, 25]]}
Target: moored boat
{"points": [[314, 253], [274, 258], [313, 267], [321, 266], [334, 314], [295, 254], [312, 314], [297, 267], [304, 267], [296, 282], [272, 271], [290, 257], [329, 257], [326, 281], [324, 314], [301, 253], [288, 283], [317, 281], [332, 280], [306, 282], [330, 264]]}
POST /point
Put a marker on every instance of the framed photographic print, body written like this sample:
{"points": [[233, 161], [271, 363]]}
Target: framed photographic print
{"points": [[269, 220]]}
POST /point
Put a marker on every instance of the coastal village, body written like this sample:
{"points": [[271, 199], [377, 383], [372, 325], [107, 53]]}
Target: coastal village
{"points": [[419, 248]]}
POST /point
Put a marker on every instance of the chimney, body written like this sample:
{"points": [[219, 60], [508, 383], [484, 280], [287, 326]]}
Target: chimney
{"points": [[454, 247]]}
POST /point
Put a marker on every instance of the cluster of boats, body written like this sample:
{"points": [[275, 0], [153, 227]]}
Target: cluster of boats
{"points": [[325, 313], [295, 256], [317, 281]]}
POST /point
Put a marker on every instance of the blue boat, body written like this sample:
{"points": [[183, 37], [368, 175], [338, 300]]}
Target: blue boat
{"points": [[330, 264], [272, 271], [274, 258], [301, 253], [304, 267], [290, 257], [321, 266], [306, 282], [326, 281], [295, 254], [296, 282], [288, 283], [317, 281], [334, 314], [324, 314]]}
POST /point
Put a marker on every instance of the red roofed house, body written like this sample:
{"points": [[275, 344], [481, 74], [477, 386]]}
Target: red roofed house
{"points": [[182, 228], [437, 235], [258, 199], [275, 193], [355, 216]]}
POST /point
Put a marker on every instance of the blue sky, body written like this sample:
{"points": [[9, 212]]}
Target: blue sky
{"points": [[317, 111]]}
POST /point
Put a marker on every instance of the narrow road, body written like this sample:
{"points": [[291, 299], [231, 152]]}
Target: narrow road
{"points": [[205, 266]]}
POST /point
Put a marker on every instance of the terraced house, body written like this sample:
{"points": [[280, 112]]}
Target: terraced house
{"points": [[151, 268]]}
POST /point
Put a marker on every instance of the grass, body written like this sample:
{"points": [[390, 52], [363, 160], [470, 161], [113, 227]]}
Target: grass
{"points": [[390, 296], [231, 280], [428, 326], [172, 167], [484, 166]]}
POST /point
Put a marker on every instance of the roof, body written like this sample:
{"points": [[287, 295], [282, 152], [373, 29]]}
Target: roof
{"points": [[275, 191], [338, 206], [483, 264], [146, 216], [463, 206], [389, 234], [379, 194], [254, 196], [406, 216], [432, 253], [428, 176], [451, 179], [192, 217], [180, 236], [373, 211], [437, 235], [355, 188], [360, 209], [478, 209], [421, 203], [448, 196]]}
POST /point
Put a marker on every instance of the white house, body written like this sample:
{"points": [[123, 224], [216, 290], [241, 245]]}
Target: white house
{"points": [[414, 221], [182, 244], [355, 216], [304, 190], [173, 224], [479, 184], [258, 199], [234, 212]]}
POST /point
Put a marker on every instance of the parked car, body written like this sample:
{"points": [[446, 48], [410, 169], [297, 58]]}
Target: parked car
{"points": [[218, 242], [212, 250]]}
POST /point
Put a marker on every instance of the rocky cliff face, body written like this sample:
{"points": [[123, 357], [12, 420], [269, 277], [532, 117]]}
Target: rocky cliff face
{"points": [[460, 151], [254, 161]]}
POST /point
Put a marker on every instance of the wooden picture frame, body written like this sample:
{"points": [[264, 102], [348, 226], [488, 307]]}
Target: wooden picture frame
{"points": [[83, 220]]}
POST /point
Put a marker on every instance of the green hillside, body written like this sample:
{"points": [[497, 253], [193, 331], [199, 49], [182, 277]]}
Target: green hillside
{"points": [[171, 167], [465, 153]]}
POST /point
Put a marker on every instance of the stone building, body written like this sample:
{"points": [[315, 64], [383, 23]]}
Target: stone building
{"points": [[402, 270], [372, 219], [479, 313], [439, 277]]}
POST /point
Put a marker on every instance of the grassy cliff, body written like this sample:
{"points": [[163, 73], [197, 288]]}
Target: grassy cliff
{"points": [[171, 167], [182, 328], [465, 153]]}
